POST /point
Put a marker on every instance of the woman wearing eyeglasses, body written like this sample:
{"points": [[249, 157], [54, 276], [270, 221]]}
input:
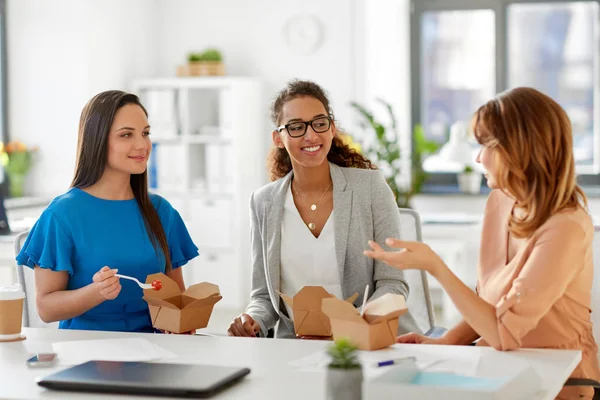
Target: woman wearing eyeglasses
{"points": [[309, 225]]}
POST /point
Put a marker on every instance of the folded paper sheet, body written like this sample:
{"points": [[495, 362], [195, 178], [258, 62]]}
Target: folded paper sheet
{"points": [[462, 363], [521, 383], [126, 349]]}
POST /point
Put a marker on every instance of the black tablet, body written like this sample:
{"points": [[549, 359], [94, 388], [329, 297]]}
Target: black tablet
{"points": [[142, 378]]}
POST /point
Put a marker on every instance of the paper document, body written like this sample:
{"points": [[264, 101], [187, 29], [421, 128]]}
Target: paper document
{"points": [[427, 360], [130, 349]]}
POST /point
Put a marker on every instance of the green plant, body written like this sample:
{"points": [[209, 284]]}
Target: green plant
{"points": [[385, 152], [343, 355], [468, 169], [212, 55], [207, 55], [194, 57]]}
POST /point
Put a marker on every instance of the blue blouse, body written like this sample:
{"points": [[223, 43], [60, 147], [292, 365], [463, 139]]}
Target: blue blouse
{"points": [[80, 234]]}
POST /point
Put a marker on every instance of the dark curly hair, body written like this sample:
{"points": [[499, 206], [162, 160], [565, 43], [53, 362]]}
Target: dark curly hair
{"points": [[341, 154]]}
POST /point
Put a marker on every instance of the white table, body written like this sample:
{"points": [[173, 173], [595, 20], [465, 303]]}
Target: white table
{"points": [[271, 378]]}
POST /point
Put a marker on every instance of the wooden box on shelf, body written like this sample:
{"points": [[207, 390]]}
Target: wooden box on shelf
{"points": [[202, 68]]}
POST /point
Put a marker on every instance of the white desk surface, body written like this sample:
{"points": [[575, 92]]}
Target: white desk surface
{"points": [[271, 378]]}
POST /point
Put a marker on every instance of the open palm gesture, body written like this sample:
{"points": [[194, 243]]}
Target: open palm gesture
{"points": [[413, 255]]}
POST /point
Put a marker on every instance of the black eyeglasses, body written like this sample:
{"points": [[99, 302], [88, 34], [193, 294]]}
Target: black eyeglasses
{"points": [[298, 129]]}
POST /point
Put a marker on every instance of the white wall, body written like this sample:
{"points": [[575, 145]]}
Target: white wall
{"points": [[61, 53], [251, 38], [386, 69]]}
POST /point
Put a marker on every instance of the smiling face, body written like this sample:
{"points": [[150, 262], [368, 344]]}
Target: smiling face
{"points": [[311, 149], [129, 143]]}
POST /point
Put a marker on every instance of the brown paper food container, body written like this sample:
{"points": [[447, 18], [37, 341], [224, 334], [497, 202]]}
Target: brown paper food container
{"points": [[11, 315], [177, 312], [376, 329], [309, 319]]}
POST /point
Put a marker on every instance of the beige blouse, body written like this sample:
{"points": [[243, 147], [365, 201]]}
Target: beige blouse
{"points": [[542, 295]]}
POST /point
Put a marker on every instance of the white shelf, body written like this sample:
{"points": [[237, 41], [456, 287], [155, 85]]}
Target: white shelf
{"points": [[194, 139], [212, 160], [201, 194], [194, 194], [166, 140], [217, 251], [206, 139]]}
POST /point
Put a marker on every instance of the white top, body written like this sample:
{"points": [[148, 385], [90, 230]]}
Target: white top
{"points": [[305, 259]]}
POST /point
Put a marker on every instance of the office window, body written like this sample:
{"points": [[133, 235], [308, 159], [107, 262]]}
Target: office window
{"points": [[458, 71], [553, 47], [465, 51]]}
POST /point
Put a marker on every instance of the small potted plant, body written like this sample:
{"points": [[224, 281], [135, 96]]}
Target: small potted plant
{"points": [[469, 181], [207, 63], [344, 372]]}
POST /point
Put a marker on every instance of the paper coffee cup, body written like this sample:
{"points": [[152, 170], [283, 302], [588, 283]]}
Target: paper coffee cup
{"points": [[11, 312]]}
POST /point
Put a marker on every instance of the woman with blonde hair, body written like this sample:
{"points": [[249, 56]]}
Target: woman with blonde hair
{"points": [[535, 267]]}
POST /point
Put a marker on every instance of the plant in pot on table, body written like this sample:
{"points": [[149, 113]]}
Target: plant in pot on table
{"points": [[344, 372], [469, 181], [16, 159]]}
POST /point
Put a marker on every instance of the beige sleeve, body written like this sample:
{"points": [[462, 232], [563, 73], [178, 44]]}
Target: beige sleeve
{"points": [[555, 260]]}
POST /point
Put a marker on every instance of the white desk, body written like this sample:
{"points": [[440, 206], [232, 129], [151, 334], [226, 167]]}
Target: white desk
{"points": [[271, 378]]}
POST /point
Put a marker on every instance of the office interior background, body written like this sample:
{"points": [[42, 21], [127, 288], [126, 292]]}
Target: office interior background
{"points": [[433, 62]]}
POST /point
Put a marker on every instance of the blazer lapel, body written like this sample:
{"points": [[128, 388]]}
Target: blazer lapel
{"points": [[342, 206], [274, 215]]}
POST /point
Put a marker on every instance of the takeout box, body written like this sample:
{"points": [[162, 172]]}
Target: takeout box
{"points": [[309, 319], [376, 329], [178, 312]]}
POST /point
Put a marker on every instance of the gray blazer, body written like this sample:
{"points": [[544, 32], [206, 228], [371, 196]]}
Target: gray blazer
{"points": [[364, 210]]}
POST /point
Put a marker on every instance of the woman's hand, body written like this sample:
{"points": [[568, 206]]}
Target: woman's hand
{"points": [[414, 255], [415, 338], [107, 283], [244, 325]]}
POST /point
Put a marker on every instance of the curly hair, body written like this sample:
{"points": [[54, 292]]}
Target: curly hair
{"points": [[534, 142], [279, 163]]}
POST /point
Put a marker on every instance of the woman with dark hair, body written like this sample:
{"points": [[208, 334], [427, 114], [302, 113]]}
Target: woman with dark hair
{"points": [[106, 222], [308, 225], [535, 266]]}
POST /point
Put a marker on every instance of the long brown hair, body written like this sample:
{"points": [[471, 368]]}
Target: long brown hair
{"points": [[92, 154], [533, 139], [279, 163]]}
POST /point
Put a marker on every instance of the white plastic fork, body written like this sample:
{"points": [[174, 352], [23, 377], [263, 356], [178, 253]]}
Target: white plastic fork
{"points": [[362, 309], [140, 284]]}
